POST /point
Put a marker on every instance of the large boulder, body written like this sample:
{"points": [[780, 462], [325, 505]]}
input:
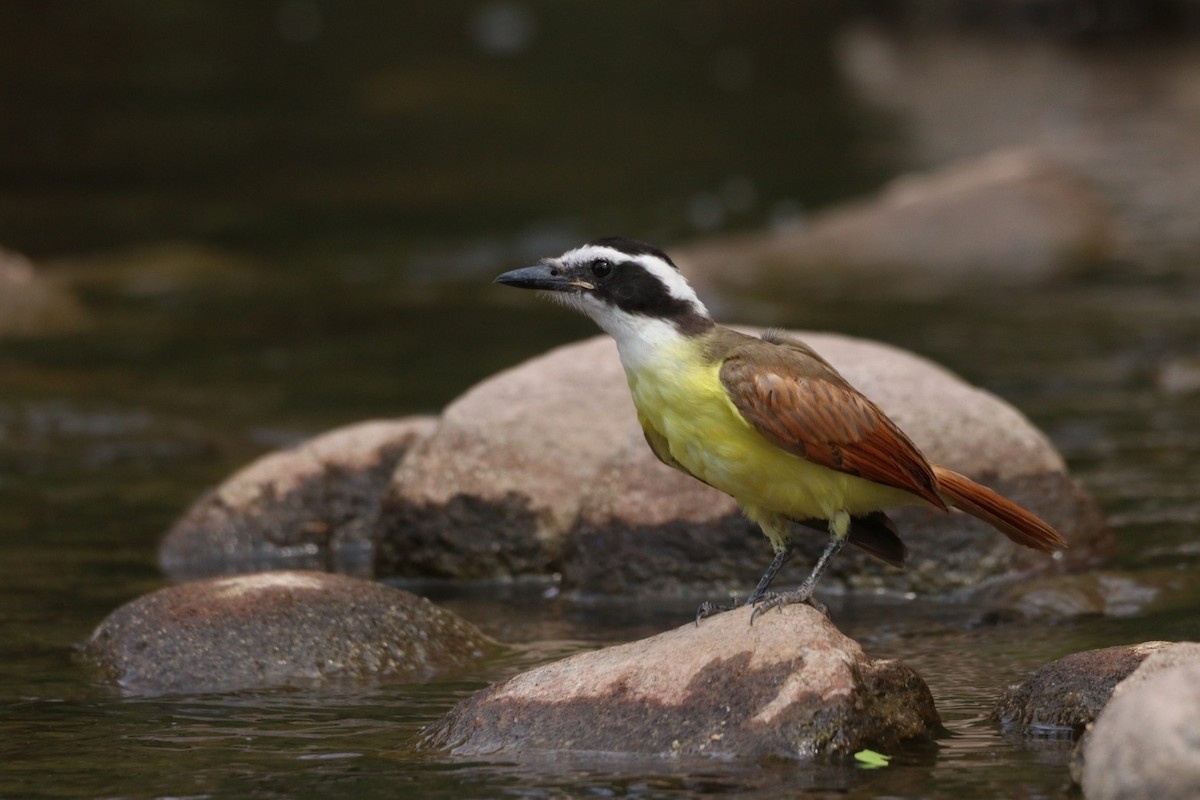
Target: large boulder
{"points": [[543, 468], [642, 526], [494, 490], [277, 629], [306, 507], [1126, 127], [1008, 219], [790, 685]]}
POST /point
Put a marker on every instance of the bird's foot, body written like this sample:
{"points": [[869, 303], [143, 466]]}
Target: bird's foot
{"points": [[772, 600], [708, 609]]}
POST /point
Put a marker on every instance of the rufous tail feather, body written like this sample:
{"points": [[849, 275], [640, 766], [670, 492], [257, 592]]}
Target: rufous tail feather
{"points": [[1003, 514]]}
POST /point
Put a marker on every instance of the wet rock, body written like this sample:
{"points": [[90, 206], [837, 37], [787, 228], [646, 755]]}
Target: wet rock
{"points": [[311, 506], [644, 527], [1112, 594], [1179, 376], [1007, 219], [492, 492], [279, 629], [31, 305], [1067, 694], [641, 524], [163, 271], [790, 685], [1144, 742]]}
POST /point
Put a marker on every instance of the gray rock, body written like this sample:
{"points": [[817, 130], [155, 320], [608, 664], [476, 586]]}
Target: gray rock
{"points": [[1146, 741], [1007, 219], [279, 629], [31, 305], [1179, 376], [162, 271], [311, 506], [1125, 128], [644, 527], [1110, 593], [790, 685], [494, 490], [1067, 694]]}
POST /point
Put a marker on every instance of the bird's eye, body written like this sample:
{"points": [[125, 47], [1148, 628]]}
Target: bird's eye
{"points": [[601, 268]]}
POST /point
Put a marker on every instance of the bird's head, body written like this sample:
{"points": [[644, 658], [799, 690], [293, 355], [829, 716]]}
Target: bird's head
{"points": [[622, 284]]}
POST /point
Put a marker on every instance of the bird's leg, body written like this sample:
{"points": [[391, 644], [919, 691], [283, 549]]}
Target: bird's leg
{"points": [[777, 529], [707, 609], [839, 532], [781, 557]]}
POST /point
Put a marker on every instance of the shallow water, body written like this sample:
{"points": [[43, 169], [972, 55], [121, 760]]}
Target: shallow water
{"points": [[96, 468], [342, 279]]}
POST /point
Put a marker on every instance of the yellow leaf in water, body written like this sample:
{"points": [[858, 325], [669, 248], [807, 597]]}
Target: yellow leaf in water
{"points": [[871, 759]]}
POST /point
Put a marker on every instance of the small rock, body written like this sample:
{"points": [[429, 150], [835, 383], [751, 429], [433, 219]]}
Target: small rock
{"points": [[1113, 594], [1067, 694], [1180, 376], [790, 685], [311, 506], [161, 271], [30, 305], [279, 629], [1144, 744], [1006, 219]]}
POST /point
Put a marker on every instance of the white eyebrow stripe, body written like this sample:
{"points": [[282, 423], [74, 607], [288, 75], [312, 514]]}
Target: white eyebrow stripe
{"points": [[677, 285]]}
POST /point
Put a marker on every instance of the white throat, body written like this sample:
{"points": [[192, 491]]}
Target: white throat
{"points": [[642, 342]]}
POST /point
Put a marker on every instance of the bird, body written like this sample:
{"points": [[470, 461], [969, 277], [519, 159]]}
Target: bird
{"points": [[764, 419]]}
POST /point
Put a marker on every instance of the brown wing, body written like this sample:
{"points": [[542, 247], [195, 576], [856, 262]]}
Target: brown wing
{"points": [[800, 403]]}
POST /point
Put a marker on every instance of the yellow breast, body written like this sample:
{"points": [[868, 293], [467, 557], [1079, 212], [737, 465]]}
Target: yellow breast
{"points": [[681, 397]]}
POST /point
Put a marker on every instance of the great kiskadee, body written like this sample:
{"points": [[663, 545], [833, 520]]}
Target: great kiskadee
{"points": [[765, 420]]}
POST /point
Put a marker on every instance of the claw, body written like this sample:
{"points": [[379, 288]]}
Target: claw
{"points": [[773, 600], [708, 609]]}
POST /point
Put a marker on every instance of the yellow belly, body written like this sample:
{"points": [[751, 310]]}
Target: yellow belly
{"points": [[687, 405]]}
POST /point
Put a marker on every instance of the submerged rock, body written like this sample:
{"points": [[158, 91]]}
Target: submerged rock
{"points": [[543, 468], [163, 270], [307, 507], [278, 629], [1007, 219], [1109, 593], [1144, 742], [30, 305], [1179, 376], [790, 685], [1067, 694]]}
